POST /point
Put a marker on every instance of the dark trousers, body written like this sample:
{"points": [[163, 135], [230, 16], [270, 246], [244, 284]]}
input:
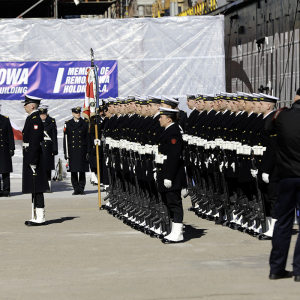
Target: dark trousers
{"points": [[269, 195], [49, 175], [6, 182], [39, 200], [78, 184], [287, 199], [173, 202]]}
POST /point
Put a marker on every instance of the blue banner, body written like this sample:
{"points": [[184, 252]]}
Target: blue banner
{"points": [[55, 79]]}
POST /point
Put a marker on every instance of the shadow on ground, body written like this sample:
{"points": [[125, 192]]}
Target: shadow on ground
{"points": [[91, 192], [191, 233], [61, 220], [60, 186], [15, 194]]}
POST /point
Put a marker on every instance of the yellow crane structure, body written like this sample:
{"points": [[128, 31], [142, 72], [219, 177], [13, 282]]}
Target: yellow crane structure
{"points": [[202, 7]]}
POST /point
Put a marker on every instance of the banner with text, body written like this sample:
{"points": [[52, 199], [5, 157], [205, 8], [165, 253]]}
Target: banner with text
{"points": [[55, 79]]}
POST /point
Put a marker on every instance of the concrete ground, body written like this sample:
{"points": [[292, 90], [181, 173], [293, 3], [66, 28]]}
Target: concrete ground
{"points": [[84, 253]]}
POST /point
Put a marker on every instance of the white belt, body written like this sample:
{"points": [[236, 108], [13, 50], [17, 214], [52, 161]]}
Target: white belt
{"points": [[47, 139], [25, 145]]}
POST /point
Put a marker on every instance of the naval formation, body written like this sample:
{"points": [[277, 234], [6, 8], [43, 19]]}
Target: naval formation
{"points": [[150, 151], [225, 155]]}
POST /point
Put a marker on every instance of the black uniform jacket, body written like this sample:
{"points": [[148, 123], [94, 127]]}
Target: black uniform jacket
{"points": [[170, 144], [6, 143], [33, 133], [191, 122], [78, 144], [259, 136], [199, 122], [287, 141], [153, 135], [50, 146], [182, 120]]}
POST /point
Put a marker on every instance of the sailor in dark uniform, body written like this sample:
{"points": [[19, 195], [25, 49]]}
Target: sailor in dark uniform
{"points": [[173, 103], [49, 145], [7, 147], [33, 161], [77, 149], [171, 175]]}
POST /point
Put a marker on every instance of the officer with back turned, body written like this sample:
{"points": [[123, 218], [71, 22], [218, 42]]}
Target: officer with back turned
{"points": [[284, 124]]}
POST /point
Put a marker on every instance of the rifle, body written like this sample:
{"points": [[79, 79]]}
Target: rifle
{"points": [[260, 213]]}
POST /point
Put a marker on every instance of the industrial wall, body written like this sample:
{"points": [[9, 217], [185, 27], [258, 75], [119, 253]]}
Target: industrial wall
{"points": [[262, 46]]}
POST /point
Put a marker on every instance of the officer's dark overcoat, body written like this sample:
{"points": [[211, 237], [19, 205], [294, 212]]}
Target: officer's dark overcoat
{"points": [[170, 144], [33, 133], [6, 143], [50, 148], [78, 144]]}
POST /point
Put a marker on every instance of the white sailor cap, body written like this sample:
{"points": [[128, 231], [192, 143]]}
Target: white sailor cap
{"points": [[248, 97], [32, 99], [208, 97], [268, 98], [169, 101], [191, 96], [154, 99], [168, 111]]}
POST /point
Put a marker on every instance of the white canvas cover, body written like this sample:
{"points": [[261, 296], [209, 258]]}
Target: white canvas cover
{"points": [[169, 56]]}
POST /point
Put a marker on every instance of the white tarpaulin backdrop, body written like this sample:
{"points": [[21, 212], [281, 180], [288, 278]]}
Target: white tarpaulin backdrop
{"points": [[163, 56]]}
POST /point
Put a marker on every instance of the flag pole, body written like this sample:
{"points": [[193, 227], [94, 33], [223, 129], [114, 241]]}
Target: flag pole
{"points": [[96, 123]]}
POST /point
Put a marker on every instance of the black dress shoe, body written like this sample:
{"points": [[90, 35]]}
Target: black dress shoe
{"points": [[297, 278], [6, 194], [75, 193], [82, 193], [48, 191], [220, 222], [1, 193], [166, 241], [285, 274], [31, 224], [263, 237]]}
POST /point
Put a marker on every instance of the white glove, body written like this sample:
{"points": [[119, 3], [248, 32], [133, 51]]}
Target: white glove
{"points": [[106, 162], [265, 177], [233, 166], [221, 166], [226, 165], [97, 142], [155, 176], [206, 164], [114, 165], [121, 166], [254, 173], [199, 163], [167, 183], [33, 168]]}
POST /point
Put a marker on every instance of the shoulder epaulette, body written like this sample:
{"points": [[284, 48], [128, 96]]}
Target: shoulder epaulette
{"points": [[34, 117], [67, 121], [86, 120], [6, 117], [53, 120]]}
